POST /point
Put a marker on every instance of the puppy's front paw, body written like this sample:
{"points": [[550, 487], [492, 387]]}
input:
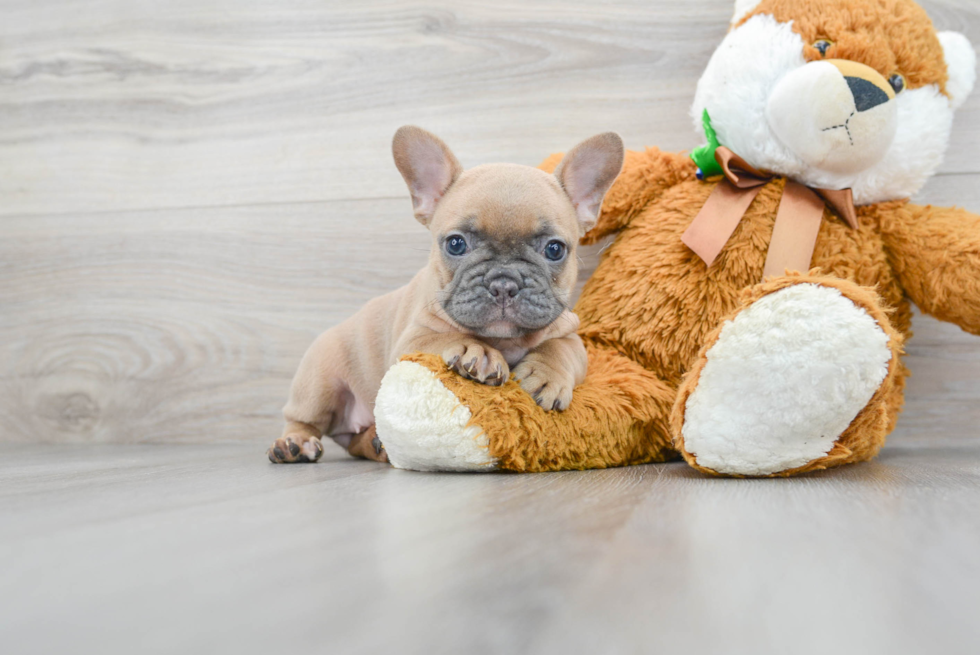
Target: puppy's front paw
{"points": [[295, 448], [549, 385], [476, 361]]}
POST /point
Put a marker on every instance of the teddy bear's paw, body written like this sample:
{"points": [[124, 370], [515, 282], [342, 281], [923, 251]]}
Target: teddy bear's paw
{"points": [[783, 381], [424, 427]]}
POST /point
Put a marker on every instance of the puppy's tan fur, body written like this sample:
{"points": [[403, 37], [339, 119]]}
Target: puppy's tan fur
{"points": [[334, 390]]}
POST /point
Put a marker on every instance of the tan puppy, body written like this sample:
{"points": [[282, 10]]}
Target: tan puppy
{"points": [[492, 300]]}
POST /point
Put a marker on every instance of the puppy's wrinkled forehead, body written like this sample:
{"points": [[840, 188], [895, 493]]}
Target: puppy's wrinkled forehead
{"points": [[508, 203]]}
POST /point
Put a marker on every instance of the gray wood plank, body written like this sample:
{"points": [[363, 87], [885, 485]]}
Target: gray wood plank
{"points": [[871, 559], [114, 104], [188, 325], [201, 549], [182, 325]]}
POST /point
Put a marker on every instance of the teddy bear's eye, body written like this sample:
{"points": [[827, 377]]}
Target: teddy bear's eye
{"points": [[898, 82], [823, 45]]}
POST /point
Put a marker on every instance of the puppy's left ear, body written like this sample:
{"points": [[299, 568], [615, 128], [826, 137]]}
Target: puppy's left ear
{"points": [[428, 166], [587, 172]]}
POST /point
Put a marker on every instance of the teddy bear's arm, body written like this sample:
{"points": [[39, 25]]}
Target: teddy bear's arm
{"points": [[935, 252], [645, 176]]}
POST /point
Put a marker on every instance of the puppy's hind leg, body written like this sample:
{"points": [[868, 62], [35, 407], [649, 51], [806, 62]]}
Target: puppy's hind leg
{"points": [[317, 398]]}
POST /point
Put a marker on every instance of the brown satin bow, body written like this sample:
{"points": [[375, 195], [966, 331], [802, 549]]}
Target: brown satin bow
{"points": [[797, 220]]}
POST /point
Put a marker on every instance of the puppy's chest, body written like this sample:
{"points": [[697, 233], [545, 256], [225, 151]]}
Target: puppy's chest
{"points": [[512, 352]]}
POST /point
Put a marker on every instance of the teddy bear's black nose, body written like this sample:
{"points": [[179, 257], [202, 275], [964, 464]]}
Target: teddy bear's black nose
{"points": [[866, 94]]}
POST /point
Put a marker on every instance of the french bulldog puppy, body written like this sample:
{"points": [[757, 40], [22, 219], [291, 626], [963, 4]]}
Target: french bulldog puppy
{"points": [[492, 301]]}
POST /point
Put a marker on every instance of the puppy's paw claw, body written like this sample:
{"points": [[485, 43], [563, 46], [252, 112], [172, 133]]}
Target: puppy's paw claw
{"points": [[497, 378], [476, 361]]}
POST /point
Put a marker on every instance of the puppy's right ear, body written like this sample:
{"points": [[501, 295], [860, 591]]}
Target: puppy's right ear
{"points": [[587, 172], [428, 166]]}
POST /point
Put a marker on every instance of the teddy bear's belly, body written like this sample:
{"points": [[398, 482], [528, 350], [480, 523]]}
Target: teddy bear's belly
{"points": [[654, 300]]}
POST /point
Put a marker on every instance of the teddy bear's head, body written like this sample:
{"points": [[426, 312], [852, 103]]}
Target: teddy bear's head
{"points": [[838, 94]]}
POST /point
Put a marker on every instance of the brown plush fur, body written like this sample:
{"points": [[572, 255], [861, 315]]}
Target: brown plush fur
{"points": [[891, 36], [618, 416]]}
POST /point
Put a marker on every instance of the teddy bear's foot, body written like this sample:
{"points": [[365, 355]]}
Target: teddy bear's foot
{"points": [[424, 427], [799, 379]]}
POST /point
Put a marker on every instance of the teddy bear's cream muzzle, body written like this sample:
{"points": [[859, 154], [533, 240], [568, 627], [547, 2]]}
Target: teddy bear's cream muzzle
{"points": [[838, 116]]}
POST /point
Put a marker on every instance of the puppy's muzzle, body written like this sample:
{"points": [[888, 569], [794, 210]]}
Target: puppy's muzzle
{"points": [[503, 286]]}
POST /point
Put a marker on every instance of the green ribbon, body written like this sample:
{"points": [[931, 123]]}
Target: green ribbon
{"points": [[704, 156]]}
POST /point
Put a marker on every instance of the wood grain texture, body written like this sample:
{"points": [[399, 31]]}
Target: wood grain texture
{"points": [[116, 104], [208, 549], [191, 191]]}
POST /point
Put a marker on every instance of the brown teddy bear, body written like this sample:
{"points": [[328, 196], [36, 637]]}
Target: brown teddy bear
{"points": [[750, 314]]}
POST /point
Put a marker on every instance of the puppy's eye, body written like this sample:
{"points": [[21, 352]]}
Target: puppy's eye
{"points": [[823, 45], [898, 82], [554, 251], [456, 245]]}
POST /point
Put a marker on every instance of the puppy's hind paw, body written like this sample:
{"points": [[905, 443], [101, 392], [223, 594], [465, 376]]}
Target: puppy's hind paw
{"points": [[295, 449], [369, 446]]}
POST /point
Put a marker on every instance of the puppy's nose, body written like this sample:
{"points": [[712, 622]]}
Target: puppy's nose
{"points": [[503, 288]]}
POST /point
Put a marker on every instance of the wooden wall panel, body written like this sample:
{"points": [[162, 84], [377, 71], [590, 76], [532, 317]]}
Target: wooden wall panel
{"points": [[190, 191]]}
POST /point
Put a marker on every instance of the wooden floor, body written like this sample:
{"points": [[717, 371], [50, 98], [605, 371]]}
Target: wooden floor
{"points": [[208, 549], [191, 190]]}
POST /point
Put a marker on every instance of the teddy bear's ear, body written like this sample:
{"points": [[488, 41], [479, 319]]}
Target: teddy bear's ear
{"points": [[961, 63], [743, 8]]}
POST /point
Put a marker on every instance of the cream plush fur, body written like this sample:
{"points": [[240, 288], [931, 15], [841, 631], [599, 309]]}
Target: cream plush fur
{"points": [[804, 343], [425, 426]]}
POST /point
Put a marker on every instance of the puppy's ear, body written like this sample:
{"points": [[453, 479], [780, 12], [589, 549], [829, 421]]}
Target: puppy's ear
{"points": [[428, 166], [587, 172]]}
